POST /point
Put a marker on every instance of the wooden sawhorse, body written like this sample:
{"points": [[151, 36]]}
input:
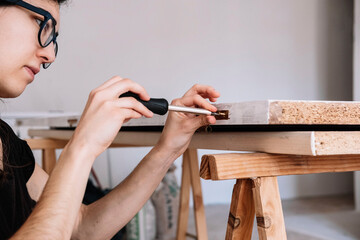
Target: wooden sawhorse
{"points": [[256, 190], [190, 179]]}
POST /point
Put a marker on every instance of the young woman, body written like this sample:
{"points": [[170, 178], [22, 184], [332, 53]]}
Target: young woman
{"points": [[34, 205]]}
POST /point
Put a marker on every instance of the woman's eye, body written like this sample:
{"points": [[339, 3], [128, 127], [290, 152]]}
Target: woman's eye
{"points": [[47, 27], [38, 21]]}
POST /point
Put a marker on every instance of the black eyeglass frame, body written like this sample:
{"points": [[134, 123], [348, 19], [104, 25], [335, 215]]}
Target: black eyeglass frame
{"points": [[47, 16]]}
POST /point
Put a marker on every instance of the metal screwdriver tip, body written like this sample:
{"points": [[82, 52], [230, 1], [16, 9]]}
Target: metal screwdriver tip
{"points": [[222, 115]]}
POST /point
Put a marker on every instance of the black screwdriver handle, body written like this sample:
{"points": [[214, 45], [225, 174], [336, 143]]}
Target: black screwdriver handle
{"points": [[156, 105]]}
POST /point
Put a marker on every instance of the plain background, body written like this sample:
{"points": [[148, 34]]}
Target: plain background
{"points": [[247, 50]]}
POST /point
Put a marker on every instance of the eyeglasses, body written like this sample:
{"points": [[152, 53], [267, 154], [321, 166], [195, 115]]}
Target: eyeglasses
{"points": [[47, 32]]}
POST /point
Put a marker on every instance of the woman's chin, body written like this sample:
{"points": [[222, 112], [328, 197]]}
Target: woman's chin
{"points": [[12, 93]]}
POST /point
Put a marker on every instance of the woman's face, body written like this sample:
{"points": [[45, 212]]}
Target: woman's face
{"points": [[20, 52]]}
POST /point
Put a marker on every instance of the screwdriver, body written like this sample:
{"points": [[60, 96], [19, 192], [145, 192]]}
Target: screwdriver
{"points": [[161, 106]]}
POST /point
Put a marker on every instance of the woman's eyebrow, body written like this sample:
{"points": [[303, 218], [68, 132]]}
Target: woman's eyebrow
{"points": [[34, 14]]}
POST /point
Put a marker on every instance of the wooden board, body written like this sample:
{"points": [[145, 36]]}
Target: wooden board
{"points": [[268, 112], [299, 143], [293, 112], [249, 165], [258, 114]]}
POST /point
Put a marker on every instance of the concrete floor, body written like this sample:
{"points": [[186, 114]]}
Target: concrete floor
{"points": [[320, 218]]}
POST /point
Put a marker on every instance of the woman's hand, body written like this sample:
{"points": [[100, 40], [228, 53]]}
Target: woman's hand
{"points": [[180, 127], [105, 113]]}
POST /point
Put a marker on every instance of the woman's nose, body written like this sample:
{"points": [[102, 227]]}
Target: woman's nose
{"points": [[47, 54]]}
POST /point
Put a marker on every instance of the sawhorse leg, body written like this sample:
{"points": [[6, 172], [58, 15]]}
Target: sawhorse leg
{"points": [[191, 178], [48, 159], [242, 211], [47, 147], [260, 196]]}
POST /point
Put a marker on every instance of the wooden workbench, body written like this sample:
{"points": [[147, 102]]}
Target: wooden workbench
{"points": [[317, 129]]}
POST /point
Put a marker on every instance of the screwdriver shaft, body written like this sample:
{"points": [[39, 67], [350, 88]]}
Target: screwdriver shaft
{"points": [[199, 111]]}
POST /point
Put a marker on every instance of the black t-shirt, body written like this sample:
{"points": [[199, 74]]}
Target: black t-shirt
{"points": [[15, 201]]}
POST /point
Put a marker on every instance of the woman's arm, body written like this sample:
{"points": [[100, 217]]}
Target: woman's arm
{"points": [[103, 218], [56, 213], [117, 208], [36, 183], [119, 205], [59, 215], [57, 209]]}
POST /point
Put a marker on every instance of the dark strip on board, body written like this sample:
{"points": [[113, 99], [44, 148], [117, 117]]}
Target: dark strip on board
{"points": [[244, 128]]}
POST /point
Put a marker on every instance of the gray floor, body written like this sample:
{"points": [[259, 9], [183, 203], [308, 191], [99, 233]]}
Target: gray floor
{"points": [[321, 218]]}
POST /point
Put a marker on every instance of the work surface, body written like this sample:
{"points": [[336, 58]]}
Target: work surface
{"points": [[256, 113], [238, 136], [288, 127], [301, 143]]}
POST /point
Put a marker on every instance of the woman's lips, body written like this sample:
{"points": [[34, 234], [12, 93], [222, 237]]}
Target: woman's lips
{"points": [[32, 71]]}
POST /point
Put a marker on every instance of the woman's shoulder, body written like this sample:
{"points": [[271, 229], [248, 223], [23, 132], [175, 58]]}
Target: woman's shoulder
{"points": [[6, 132], [16, 153]]}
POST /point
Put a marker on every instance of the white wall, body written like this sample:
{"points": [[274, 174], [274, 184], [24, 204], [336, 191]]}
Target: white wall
{"points": [[356, 86], [248, 50]]}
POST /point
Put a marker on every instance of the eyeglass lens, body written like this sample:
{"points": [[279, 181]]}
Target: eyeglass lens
{"points": [[47, 33], [46, 65], [46, 36]]}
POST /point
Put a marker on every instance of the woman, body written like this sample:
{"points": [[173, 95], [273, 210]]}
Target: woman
{"points": [[37, 206]]}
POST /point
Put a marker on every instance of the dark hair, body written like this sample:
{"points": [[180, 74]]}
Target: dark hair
{"points": [[4, 153], [4, 3]]}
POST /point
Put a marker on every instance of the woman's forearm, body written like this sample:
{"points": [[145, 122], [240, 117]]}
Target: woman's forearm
{"points": [[59, 214], [113, 211], [57, 209]]}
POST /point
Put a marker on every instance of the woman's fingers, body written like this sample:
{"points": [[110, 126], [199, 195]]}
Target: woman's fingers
{"points": [[203, 90], [128, 114], [110, 82], [105, 113], [212, 99], [126, 85], [197, 95], [195, 101], [130, 103], [204, 120], [108, 94], [117, 86]]}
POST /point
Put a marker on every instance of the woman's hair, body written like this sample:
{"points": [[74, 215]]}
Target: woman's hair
{"points": [[4, 3], [4, 153]]}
